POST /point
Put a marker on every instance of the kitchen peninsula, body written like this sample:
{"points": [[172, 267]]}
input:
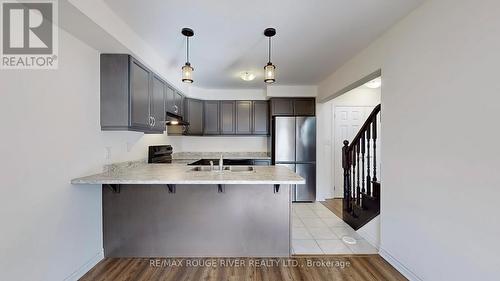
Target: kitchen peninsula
{"points": [[174, 210]]}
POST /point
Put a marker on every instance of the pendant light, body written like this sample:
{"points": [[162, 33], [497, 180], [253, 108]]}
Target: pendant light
{"points": [[187, 69], [269, 69]]}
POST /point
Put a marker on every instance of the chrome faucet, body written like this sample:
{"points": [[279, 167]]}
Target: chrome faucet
{"points": [[221, 163]]}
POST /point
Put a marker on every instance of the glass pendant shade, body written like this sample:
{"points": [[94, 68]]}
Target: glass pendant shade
{"points": [[187, 73], [269, 73]]}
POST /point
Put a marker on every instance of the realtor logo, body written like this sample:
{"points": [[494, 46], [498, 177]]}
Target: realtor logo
{"points": [[29, 35]]}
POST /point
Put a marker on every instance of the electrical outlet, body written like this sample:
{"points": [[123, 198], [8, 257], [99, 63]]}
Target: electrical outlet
{"points": [[108, 153]]}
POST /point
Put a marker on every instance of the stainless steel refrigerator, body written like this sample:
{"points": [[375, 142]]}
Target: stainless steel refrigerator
{"points": [[294, 146]]}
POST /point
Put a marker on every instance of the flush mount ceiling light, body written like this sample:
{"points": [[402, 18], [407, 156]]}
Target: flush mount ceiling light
{"points": [[187, 69], [374, 84], [269, 69], [247, 76]]}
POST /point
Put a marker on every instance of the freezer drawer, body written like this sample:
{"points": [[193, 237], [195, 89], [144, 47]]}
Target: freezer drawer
{"points": [[307, 191], [305, 134]]}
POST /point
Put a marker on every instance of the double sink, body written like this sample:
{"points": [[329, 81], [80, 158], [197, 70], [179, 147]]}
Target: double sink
{"points": [[229, 165], [225, 168]]}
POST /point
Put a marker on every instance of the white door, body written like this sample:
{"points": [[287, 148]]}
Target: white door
{"points": [[347, 122]]}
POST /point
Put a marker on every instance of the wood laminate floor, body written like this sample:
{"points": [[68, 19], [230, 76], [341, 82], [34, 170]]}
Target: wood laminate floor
{"points": [[356, 268], [334, 205]]}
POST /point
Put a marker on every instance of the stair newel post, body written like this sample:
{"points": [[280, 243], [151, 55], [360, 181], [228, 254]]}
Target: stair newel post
{"points": [[346, 167], [368, 177], [374, 136], [356, 159]]}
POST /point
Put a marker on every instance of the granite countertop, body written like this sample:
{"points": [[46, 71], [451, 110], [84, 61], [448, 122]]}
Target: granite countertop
{"points": [[141, 173]]}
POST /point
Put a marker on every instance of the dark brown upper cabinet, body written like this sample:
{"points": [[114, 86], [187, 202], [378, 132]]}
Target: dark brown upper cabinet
{"points": [[194, 115], [211, 118], [227, 117], [178, 103], [304, 107], [260, 117], [170, 100], [132, 96], [157, 104], [243, 117], [293, 107], [282, 106], [174, 101], [139, 96]]}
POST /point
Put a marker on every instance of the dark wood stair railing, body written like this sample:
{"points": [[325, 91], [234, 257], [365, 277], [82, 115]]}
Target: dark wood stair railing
{"points": [[361, 198]]}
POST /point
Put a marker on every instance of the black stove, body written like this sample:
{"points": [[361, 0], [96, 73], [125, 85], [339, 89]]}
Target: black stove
{"points": [[160, 154]]}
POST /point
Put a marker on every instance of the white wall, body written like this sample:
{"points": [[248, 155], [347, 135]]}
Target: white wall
{"points": [[51, 134], [226, 94], [291, 91], [440, 106]]}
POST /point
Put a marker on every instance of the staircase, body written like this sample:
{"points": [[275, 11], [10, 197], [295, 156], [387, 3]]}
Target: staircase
{"points": [[361, 201]]}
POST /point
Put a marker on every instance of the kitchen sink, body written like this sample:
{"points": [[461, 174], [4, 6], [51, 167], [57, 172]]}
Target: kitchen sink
{"points": [[239, 168], [201, 169], [234, 169]]}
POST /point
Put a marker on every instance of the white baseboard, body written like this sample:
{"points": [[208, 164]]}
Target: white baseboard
{"points": [[398, 266], [77, 274], [368, 237]]}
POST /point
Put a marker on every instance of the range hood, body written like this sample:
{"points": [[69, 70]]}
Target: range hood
{"points": [[173, 119]]}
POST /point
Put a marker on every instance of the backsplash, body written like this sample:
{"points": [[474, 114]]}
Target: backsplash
{"points": [[216, 155]]}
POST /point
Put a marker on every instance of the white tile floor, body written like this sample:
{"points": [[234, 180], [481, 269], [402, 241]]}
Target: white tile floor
{"points": [[317, 230]]}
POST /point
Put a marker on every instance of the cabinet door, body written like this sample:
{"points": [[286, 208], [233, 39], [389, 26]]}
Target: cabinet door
{"points": [[244, 117], [139, 96], [304, 107], [178, 103], [194, 116], [260, 118], [157, 104], [282, 106], [227, 117], [170, 99], [211, 119]]}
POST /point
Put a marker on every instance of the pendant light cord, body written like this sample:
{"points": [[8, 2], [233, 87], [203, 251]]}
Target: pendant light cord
{"points": [[187, 50], [269, 49]]}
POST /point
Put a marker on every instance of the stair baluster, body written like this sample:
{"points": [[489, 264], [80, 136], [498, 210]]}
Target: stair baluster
{"points": [[374, 135], [363, 148], [368, 177], [356, 195], [358, 191]]}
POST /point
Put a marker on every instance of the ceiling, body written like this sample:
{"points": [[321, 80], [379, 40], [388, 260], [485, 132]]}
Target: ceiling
{"points": [[314, 37]]}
